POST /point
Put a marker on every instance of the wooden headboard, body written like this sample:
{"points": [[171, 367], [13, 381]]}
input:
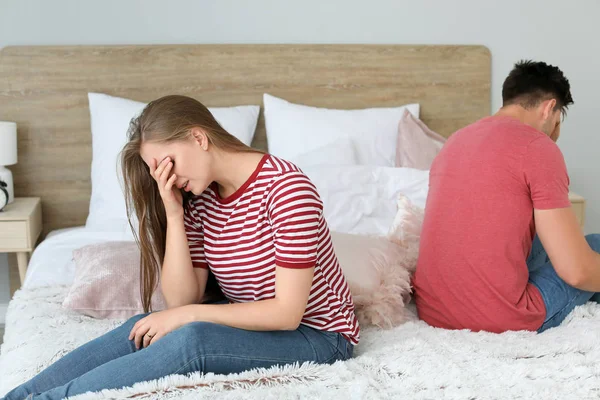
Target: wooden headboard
{"points": [[44, 90]]}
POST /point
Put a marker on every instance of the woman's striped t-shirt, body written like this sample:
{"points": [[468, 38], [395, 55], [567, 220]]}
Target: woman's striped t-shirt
{"points": [[274, 220]]}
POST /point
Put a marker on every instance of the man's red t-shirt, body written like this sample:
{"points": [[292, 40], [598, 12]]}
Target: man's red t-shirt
{"points": [[478, 226]]}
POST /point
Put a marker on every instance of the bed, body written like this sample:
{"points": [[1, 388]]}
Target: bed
{"points": [[44, 89]]}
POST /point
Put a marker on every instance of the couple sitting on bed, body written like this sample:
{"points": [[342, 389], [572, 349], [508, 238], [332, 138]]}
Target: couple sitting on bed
{"points": [[206, 202]]}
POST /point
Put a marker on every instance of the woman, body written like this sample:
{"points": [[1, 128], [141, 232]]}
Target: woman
{"points": [[253, 220]]}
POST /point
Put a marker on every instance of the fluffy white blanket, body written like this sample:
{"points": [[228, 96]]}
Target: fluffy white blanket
{"points": [[412, 361]]}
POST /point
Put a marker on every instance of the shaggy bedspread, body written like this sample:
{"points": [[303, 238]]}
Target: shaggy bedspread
{"points": [[411, 361]]}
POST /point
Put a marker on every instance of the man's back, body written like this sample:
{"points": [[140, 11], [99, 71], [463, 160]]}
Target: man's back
{"points": [[478, 227]]}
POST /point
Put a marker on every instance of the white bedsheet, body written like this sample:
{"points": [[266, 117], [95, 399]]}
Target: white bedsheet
{"points": [[52, 261]]}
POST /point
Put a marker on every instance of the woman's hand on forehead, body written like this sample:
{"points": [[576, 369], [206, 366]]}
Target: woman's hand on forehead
{"points": [[154, 164]]}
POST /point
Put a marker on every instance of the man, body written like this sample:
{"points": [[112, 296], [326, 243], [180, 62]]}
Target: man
{"points": [[493, 185]]}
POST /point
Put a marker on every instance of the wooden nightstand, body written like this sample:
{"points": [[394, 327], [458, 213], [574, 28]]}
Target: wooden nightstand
{"points": [[578, 204], [20, 227]]}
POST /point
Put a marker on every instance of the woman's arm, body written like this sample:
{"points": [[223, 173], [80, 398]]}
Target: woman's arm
{"points": [[284, 312], [181, 283]]}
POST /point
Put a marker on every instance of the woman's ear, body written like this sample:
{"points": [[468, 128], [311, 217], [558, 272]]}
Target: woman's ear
{"points": [[200, 138]]}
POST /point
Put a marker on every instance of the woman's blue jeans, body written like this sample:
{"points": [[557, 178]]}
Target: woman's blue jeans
{"points": [[112, 361]]}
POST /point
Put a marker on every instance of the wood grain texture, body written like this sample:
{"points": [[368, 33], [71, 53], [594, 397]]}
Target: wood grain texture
{"points": [[13, 273], [44, 90], [578, 204], [20, 225]]}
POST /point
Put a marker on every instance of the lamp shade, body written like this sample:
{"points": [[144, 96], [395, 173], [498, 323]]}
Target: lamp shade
{"points": [[8, 143]]}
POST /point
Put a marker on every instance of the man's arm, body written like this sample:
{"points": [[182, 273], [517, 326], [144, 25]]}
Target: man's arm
{"points": [[573, 259]]}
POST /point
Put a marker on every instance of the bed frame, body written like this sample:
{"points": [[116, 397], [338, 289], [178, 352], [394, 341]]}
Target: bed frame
{"points": [[44, 90]]}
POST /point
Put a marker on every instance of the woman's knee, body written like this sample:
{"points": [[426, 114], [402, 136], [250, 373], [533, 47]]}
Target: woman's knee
{"points": [[195, 333], [133, 320], [594, 241]]}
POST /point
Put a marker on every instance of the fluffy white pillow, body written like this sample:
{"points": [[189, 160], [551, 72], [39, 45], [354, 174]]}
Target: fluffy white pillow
{"points": [[110, 118], [294, 129], [377, 276], [362, 199]]}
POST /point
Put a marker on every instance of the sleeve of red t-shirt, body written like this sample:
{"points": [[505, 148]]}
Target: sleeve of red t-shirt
{"points": [[295, 212], [546, 175], [195, 235]]}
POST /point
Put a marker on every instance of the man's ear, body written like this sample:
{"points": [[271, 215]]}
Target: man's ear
{"points": [[548, 107], [200, 138]]}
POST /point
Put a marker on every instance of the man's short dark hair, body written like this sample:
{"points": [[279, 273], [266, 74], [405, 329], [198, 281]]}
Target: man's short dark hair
{"points": [[530, 83]]}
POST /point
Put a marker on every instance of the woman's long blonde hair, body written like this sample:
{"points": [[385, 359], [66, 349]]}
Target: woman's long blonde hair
{"points": [[164, 120]]}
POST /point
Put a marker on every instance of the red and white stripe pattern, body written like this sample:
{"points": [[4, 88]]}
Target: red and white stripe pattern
{"points": [[274, 219]]}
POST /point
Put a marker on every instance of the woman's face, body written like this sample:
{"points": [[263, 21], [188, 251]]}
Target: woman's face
{"points": [[191, 161]]}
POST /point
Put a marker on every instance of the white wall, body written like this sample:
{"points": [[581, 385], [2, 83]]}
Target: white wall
{"points": [[556, 31]]}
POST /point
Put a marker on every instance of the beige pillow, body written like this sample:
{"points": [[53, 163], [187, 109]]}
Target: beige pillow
{"points": [[107, 281], [378, 269], [417, 145]]}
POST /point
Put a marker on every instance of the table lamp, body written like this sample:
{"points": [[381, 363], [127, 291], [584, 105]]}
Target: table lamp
{"points": [[8, 155]]}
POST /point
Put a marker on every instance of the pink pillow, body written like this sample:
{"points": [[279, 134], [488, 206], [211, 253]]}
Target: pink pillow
{"points": [[417, 145], [378, 269], [107, 282]]}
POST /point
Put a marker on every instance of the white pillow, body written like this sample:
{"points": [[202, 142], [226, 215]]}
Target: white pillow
{"points": [[110, 118], [294, 129], [363, 199], [341, 152]]}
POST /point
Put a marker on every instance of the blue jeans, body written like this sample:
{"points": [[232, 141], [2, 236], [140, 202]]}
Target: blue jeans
{"points": [[112, 361], [560, 298]]}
